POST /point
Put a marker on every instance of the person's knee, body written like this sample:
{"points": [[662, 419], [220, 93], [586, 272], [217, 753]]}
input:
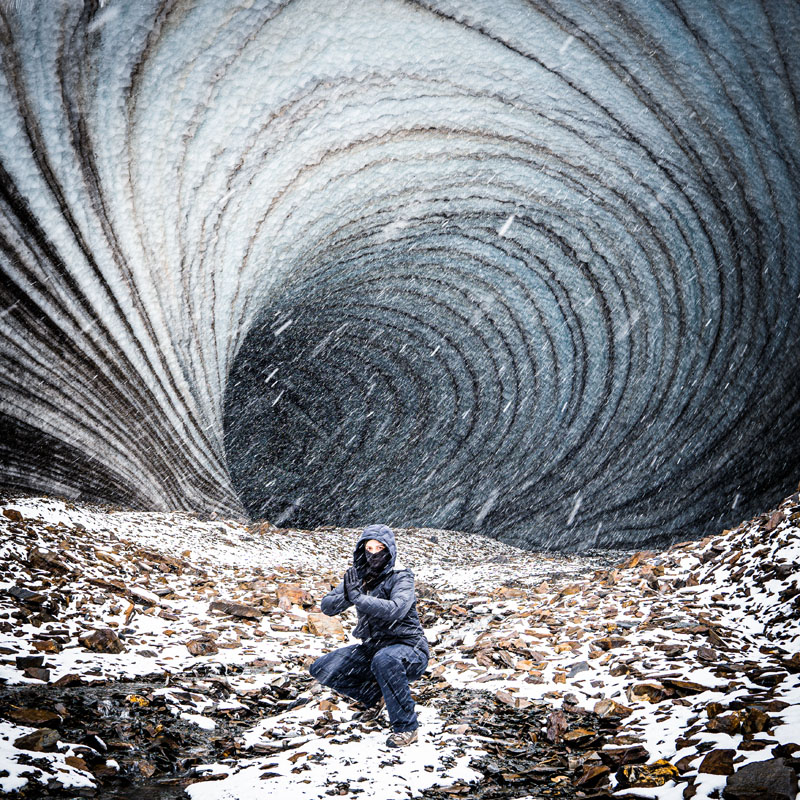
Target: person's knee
{"points": [[321, 670], [383, 659], [315, 669]]}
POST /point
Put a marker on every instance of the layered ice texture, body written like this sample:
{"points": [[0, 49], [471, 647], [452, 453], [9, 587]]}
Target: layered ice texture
{"points": [[529, 269]]}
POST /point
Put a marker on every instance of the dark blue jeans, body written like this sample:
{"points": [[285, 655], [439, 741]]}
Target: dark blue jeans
{"points": [[365, 673]]}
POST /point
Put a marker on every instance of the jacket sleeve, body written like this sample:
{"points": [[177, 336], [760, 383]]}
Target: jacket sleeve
{"points": [[335, 601], [396, 607]]}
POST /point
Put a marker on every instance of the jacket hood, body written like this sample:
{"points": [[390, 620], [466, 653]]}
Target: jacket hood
{"points": [[381, 533]]}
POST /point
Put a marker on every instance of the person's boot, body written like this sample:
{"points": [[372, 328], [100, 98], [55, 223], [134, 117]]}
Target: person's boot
{"points": [[402, 739], [373, 712]]}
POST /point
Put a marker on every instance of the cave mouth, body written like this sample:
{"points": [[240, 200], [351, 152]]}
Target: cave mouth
{"points": [[366, 395], [429, 386]]}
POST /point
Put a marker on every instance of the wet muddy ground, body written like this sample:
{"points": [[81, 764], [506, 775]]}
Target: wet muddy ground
{"points": [[134, 724]]}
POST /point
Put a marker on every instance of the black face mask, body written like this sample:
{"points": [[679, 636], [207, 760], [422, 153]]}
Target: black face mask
{"points": [[377, 561]]}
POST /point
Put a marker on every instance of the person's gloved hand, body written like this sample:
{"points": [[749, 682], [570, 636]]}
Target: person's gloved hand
{"points": [[352, 584]]}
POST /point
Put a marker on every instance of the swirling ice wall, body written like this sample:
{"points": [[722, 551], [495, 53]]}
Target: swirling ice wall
{"points": [[529, 269]]}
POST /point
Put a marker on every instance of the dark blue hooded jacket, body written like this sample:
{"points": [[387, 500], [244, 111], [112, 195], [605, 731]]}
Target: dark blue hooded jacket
{"points": [[387, 613]]}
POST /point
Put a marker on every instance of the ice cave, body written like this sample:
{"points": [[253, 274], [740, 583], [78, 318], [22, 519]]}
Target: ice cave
{"points": [[521, 268]]}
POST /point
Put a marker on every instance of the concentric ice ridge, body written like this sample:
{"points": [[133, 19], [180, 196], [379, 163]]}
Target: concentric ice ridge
{"points": [[521, 268]]}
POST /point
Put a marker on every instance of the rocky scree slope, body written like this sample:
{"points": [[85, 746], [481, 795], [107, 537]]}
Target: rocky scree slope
{"points": [[164, 650]]}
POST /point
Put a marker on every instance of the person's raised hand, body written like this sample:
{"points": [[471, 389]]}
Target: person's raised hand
{"points": [[352, 584]]}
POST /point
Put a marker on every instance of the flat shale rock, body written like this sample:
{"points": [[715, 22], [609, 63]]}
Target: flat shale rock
{"points": [[35, 717], [717, 762], [38, 673], [619, 756], [241, 610], [44, 740], [23, 662], [39, 558], [610, 708], [26, 596], [104, 640]]}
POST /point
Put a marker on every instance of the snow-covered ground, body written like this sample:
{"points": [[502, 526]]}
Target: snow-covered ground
{"points": [[705, 631]]}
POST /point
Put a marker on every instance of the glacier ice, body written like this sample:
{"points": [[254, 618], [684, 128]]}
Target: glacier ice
{"points": [[446, 262]]}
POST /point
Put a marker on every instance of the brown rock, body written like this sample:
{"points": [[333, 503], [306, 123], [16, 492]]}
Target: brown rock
{"points": [[202, 647], [236, 609], [619, 756], [104, 640], [165, 563], [47, 646], [578, 736], [29, 661], [755, 745], [144, 596], [755, 721], [512, 700], [767, 676], [26, 596], [76, 761], [323, 625], [685, 763], [104, 770], [792, 664], [610, 708], [636, 559], [12, 514], [726, 723], [39, 558], [718, 762], [108, 558], [592, 775], [485, 658], [647, 691], [35, 717], [38, 673], [70, 679], [293, 593], [611, 642], [670, 650], [775, 519], [113, 585], [42, 741], [556, 725], [683, 687], [509, 591]]}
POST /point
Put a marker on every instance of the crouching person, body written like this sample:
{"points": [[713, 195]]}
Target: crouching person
{"points": [[393, 650]]}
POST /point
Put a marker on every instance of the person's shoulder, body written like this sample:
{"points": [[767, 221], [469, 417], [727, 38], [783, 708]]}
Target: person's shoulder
{"points": [[399, 570]]}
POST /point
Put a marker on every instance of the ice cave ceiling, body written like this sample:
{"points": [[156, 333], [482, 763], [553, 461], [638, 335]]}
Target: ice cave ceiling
{"points": [[529, 269]]}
